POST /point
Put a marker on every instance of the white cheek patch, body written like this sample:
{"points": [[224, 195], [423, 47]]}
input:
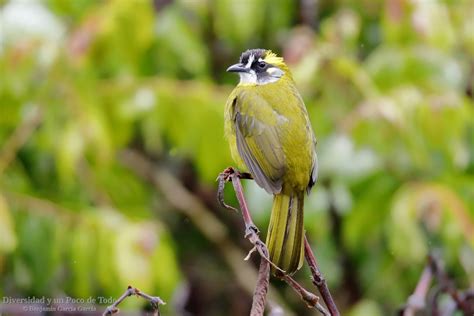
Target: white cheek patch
{"points": [[272, 74], [275, 72], [248, 77]]}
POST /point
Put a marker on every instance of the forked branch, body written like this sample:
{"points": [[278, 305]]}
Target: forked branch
{"points": [[251, 233], [154, 300]]}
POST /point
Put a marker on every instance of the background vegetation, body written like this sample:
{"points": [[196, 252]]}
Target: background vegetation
{"points": [[111, 137]]}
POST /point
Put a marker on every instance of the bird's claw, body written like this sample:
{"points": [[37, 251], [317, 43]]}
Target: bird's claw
{"points": [[251, 229], [226, 175], [230, 172]]}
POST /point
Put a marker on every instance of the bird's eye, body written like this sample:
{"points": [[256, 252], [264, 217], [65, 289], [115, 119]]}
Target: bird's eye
{"points": [[262, 65]]}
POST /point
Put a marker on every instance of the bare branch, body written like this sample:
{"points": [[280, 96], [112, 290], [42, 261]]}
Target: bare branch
{"points": [[154, 300], [251, 233], [311, 300], [261, 289], [318, 279]]}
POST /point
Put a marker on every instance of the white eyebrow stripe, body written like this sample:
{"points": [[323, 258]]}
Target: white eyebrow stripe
{"points": [[250, 61]]}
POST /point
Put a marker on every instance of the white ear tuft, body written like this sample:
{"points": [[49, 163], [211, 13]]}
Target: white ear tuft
{"points": [[275, 72]]}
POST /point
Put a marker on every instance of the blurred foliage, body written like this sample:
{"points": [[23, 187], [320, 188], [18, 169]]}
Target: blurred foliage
{"points": [[389, 87]]}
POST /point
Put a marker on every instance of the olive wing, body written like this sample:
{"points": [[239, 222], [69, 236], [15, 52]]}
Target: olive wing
{"points": [[259, 145]]}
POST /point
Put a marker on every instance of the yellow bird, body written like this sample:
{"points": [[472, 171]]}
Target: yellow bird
{"points": [[270, 136]]}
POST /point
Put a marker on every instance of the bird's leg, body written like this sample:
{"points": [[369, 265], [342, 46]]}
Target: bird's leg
{"points": [[224, 177]]}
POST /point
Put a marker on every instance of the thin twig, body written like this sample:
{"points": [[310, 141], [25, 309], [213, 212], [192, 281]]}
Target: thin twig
{"points": [[311, 300], [417, 300], [261, 289], [318, 279], [251, 233], [154, 300]]}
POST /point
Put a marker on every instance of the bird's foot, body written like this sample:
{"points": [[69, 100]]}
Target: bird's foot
{"points": [[231, 172], [251, 229], [224, 176], [227, 174]]}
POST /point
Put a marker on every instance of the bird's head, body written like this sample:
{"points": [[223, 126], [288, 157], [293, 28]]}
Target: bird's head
{"points": [[259, 66]]}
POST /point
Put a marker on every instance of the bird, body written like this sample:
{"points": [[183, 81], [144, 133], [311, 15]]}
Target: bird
{"points": [[270, 136]]}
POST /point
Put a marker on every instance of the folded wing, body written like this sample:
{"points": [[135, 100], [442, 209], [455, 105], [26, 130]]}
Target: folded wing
{"points": [[259, 145]]}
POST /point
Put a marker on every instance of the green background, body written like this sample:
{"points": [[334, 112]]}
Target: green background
{"points": [[111, 138]]}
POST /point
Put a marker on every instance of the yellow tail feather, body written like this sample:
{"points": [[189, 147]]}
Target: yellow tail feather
{"points": [[285, 238]]}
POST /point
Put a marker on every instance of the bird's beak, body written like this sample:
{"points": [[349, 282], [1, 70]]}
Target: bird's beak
{"points": [[237, 68]]}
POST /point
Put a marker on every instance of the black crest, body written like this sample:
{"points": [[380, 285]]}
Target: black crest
{"points": [[257, 52]]}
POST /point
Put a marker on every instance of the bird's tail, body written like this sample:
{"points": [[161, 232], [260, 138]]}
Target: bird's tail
{"points": [[285, 238]]}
